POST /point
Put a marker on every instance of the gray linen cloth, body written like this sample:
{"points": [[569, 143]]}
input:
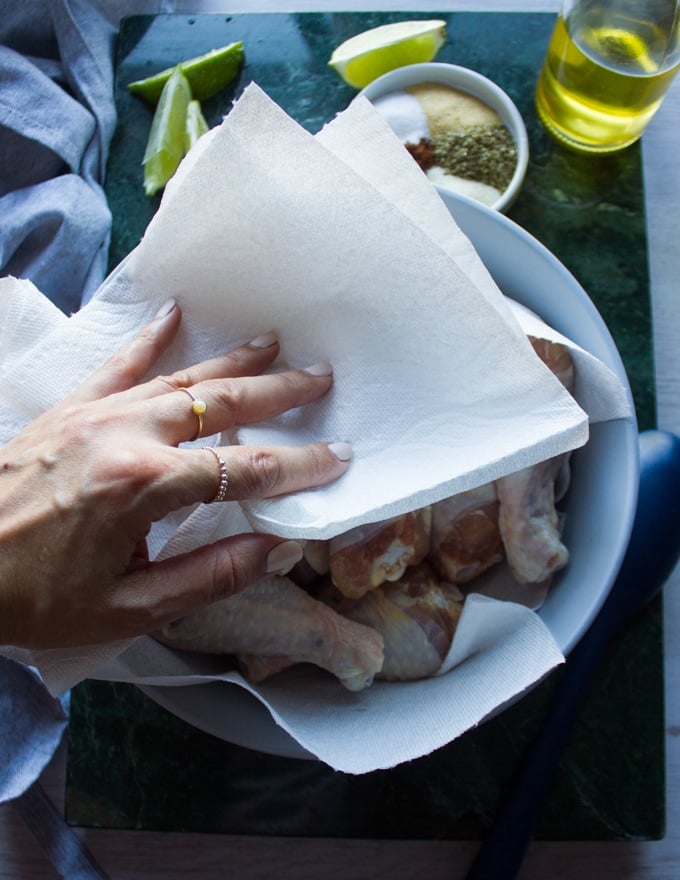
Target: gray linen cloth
{"points": [[31, 725], [57, 116]]}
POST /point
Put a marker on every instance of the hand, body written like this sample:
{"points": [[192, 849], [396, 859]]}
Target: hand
{"points": [[81, 486]]}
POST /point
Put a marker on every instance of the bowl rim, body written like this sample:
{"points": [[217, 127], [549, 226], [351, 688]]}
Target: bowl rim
{"points": [[473, 83], [601, 344]]}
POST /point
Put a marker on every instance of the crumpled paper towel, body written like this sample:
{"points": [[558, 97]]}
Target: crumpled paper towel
{"points": [[340, 244]]}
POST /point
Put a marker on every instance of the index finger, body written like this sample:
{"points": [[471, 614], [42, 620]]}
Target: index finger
{"points": [[246, 360], [130, 364]]}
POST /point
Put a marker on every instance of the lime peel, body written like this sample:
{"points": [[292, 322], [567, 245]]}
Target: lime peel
{"points": [[195, 125], [207, 74], [165, 146], [368, 55]]}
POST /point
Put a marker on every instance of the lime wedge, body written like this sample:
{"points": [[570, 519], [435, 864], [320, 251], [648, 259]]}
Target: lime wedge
{"points": [[207, 74], [165, 147], [195, 126], [366, 56]]}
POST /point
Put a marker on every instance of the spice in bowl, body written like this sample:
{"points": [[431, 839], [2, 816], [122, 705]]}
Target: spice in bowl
{"points": [[459, 141]]}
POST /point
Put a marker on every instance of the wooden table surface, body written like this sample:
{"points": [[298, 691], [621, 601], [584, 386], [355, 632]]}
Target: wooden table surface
{"points": [[141, 855]]}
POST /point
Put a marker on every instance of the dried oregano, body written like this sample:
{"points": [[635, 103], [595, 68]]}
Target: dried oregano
{"points": [[485, 153]]}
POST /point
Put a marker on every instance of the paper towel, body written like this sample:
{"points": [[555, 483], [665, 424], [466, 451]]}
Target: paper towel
{"points": [[339, 244], [269, 222]]}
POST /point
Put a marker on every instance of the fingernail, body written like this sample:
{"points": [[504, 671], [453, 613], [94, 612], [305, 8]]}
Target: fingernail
{"points": [[321, 369], [264, 341], [340, 450], [283, 557], [165, 309]]}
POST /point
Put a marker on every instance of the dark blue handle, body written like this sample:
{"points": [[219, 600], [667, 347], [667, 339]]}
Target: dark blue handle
{"points": [[652, 554]]}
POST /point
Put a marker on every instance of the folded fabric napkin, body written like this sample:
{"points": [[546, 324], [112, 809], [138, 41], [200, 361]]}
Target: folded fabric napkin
{"points": [[339, 244]]}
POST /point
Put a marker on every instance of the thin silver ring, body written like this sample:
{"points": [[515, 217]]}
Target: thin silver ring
{"points": [[221, 493]]}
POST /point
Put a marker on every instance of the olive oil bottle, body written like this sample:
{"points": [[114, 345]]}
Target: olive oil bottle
{"points": [[605, 75]]}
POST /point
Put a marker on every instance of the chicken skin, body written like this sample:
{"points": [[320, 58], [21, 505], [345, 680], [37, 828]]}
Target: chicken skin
{"points": [[557, 358], [367, 556], [273, 624], [528, 521], [416, 616], [466, 539]]}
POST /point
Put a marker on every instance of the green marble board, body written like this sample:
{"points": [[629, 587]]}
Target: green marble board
{"points": [[133, 765]]}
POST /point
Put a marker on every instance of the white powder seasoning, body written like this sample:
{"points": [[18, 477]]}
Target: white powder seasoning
{"points": [[405, 116], [473, 189]]}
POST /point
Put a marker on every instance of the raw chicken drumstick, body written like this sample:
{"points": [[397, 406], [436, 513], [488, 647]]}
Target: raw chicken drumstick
{"points": [[416, 616], [273, 624], [528, 520]]}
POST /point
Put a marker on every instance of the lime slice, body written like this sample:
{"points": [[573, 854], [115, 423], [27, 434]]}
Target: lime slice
{"points": [[366, 56], [195, 126], [207, 74], [165, 147]]}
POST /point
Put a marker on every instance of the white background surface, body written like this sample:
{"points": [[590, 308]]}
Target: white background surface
{"points": [[137, 855]]}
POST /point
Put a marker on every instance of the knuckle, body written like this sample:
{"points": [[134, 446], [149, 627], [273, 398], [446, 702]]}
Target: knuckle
{"points": [[237, 359], [122, 364], [228, 395], [317, 463], [230, 574], [81, 424], [176, 381], [126, 472], [289, 385], [263, 474]]}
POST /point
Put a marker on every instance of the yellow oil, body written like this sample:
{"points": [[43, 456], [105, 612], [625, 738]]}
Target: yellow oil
{"points": [[601, 83]]}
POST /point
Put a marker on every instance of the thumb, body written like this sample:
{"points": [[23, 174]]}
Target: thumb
{"points": [[165, 591]]}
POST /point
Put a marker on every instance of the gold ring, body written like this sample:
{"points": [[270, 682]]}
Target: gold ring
{"points": [[221, 493], [198, 408]]}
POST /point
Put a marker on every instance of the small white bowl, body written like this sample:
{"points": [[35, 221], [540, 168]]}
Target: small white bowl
{"points": [[471, 83]]}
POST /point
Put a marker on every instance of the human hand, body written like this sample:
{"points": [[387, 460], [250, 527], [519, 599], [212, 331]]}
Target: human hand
{"points": [[81, 486]]}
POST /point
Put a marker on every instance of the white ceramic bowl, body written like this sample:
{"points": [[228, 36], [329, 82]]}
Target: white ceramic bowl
{"points": [[471, 83], [600, 504]]}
